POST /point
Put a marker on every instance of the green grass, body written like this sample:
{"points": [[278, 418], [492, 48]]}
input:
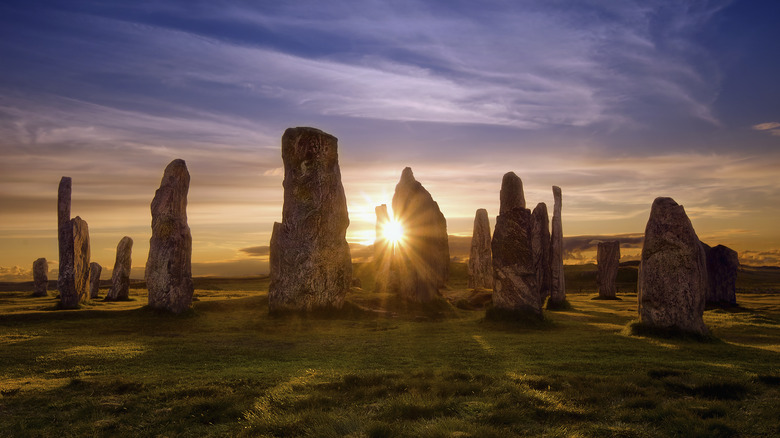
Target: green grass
{"points": [[228, 369]]}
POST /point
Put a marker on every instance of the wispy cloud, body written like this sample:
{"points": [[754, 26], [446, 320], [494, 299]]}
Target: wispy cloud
{"points": [[769, 127]]}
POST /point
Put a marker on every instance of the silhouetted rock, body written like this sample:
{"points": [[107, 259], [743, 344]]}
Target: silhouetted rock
{"points": [[420, 265], [311, 264], [722, 266], [383, 250], [540, 245], [66, 282], [81, 256], [94, 279], [40, 277], [480, 260], [169, 265], [608, 260], [557, 281], [120, 277], [357, 283], [512, 195], [673, 274], [515, 287]]}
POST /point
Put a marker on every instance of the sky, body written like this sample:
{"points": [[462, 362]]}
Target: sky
{"points": [[616, 102]]}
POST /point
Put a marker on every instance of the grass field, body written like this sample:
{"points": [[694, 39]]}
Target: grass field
{"points": [[226, 368]]}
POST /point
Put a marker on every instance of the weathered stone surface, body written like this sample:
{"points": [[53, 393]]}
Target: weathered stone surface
{"points": [[480, 260], [672, 282], [512, 195], [120, 277], [608, 260], [66, 283], [722, 266], [557, 281], [311, 264], [94, 279], [540, 245], [168, 272], [383, 250], [40, 277], [420, 265], [81, 256], [515, 286]]}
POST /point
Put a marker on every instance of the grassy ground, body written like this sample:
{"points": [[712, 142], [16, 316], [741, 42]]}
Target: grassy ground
{"points": [[227, 369]]}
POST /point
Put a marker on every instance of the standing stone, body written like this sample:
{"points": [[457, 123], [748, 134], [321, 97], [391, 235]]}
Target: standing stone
{"points": [[540, 245], [40, 277], [383, 250], [511, 195], [169, 268], [120, 277], [515, 287], [722, 266], [94, 279], [672, 282], [480, 260], [66, 283], [608, 260], [557, 281], [80, 270], [311, 264], [81, 255], [420, 266]]}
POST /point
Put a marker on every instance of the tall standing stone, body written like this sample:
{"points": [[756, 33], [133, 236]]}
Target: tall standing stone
{"points": [[540, 245], [383, 250], [94, 279], [81, 255], [420, 266], [480, 259], [672, 280], [120, 277], [311, 264], [608, 260], [515, 286], [40, 277], [66, 283], [722, 267], [169, 265], [557, 280]]}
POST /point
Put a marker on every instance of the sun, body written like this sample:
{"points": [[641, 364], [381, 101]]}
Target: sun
{"points": [[394, 232]]}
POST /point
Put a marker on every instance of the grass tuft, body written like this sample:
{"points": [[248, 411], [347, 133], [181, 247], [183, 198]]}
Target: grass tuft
{"points": [[636, 328]]}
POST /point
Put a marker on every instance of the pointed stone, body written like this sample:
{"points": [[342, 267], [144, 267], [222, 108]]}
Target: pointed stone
{"points": [[672, 280], [382, 250], [66, 283], [512, 195], [120, 277], [168, 272], [94, 279], [608, 260], [557, 280], [515, 287], [311, 264], [40, 277], [480, 260], [722, 267], [541, 248], [421, 263]]}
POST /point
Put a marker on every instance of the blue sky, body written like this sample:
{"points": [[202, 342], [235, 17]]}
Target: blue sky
{"points": [[615, 101]]}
